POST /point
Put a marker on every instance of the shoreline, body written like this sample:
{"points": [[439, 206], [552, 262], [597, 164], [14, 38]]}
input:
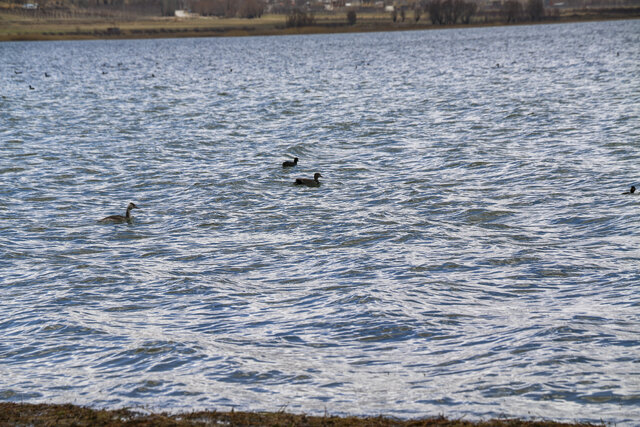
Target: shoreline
{"points": [[43, 29], [69, 414]]}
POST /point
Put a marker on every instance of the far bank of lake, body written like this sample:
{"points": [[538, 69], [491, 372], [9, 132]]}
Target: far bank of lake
{"points": [[34, 27]]}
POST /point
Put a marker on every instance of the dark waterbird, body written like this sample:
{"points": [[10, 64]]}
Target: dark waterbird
{"points": [[631, 191], [289, 163], [119, 219], [31, 87], [309, 182], [47, 74]]}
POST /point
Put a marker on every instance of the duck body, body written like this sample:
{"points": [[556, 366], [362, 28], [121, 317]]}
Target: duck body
{"points": [[631, 191], [119, 219], [309, 182], [289, 163]]}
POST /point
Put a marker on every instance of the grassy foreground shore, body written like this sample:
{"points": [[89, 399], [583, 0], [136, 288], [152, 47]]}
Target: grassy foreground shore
{"points": [[24, 414], [22, 26]]}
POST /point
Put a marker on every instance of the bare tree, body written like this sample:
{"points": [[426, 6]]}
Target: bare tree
{"points": [[210, 7], [169, 7], [447, 12], [298, 18], [457, 10], [469, 9], [251, 8], [512, 10], [535, 10], [435, 12], [351, 17]]}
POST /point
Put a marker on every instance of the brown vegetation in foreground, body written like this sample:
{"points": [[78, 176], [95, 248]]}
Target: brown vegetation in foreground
{"points": [[12, 414]]}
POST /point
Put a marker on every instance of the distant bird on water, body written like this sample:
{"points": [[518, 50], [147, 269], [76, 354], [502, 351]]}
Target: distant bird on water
{"points": [[47, 74], [119, 219], [289, 163], [309, 182], [31, 87], [631, 191]]}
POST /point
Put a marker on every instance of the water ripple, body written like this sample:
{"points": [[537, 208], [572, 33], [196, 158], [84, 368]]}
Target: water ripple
{"points": [[469, 251]]}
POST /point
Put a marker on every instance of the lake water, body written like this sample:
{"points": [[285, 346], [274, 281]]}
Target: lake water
{"points": [[469, 252]]}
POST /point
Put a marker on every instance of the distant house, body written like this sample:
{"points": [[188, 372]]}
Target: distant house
{"points": [[182, 13], [30, 6]]}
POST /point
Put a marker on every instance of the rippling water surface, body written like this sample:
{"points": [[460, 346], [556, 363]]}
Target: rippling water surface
{"points": [[469, 251]]}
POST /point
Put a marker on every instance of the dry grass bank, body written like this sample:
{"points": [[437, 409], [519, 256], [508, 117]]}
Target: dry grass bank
{"points": [[14, 414], [20, 26]]}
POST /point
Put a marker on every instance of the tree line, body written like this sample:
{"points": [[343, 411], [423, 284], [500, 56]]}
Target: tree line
{"points": [[514, 11], [221, 8], [447, 12], [439, 12], [229, 8]]}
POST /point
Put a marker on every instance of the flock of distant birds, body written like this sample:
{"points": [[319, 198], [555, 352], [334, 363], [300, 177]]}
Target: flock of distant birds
{"points": [[307, 182]]}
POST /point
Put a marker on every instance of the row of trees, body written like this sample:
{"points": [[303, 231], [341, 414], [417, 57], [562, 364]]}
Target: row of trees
{"points": [[222, 8], [440, 12], [300, 18], [447, 12], [133, 5], [514, 11], [444, 12], [229, 8]]}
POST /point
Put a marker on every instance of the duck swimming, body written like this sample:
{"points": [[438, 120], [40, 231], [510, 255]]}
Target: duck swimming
{"points": [[631, 191], [309, 182], [289, 163], [119, 219]]}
